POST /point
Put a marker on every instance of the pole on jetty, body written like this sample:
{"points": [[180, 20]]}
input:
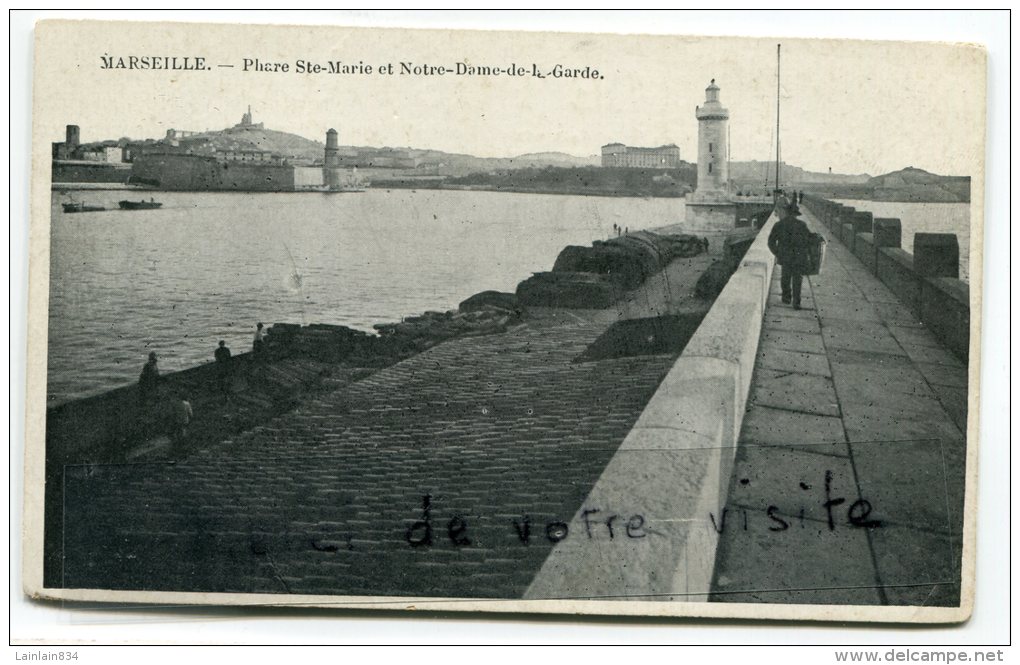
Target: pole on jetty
{"points": [[775, 194]]}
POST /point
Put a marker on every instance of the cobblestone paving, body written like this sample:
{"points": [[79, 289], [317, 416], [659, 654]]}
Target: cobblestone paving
{"points": [[492, 429]]}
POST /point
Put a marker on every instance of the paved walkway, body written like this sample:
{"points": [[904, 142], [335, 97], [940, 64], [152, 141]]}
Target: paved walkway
{"points": [[856, 405]]}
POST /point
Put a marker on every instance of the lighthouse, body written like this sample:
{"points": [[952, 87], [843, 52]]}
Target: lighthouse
{"points": [[711, 210], [332, 156], [713, 148]]}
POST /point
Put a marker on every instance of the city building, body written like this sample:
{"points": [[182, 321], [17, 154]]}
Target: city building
{"points": [[255, 156], [380, 158], [102, 153], [620, 155]]}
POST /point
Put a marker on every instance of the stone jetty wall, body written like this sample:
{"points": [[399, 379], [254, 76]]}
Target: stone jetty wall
{"points": [[927, 281], [675, 464]]}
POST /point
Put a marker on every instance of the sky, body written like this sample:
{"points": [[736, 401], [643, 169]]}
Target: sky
{"points": [[852, 106]]}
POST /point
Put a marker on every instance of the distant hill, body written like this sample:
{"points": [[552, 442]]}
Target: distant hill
{"points": [[912, 184], [254, 138], [299, 148], [538, 159], [458, 164], [755, 172], [909, 184]]}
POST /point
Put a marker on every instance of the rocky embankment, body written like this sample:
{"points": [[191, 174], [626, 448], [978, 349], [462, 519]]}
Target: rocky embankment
{"points": [[301, 360], [596, 277]]}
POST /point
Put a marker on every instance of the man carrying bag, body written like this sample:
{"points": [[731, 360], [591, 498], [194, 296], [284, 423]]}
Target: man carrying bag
{"points": [[794, 247]]}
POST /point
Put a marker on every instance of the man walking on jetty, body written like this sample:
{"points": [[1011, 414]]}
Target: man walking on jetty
{"points": [[790, 241]]}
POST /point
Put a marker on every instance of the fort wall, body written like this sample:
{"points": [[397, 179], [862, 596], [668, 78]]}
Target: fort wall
{"points": [[200, 173]]}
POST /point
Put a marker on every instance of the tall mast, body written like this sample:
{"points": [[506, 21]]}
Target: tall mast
{"points": [[778, 65]]}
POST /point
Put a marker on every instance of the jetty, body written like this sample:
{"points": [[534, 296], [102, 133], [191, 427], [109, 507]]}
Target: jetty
{"points": [[660, 447], [645, 421], [865, 391]]}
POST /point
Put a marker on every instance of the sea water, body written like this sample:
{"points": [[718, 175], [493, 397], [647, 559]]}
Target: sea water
{"points": [[926, 218], [208, 266]]}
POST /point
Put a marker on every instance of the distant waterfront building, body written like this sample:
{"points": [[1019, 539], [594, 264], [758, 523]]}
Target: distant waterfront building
{"points": [[68, 148], [72, 149], [91, 162], [258, 156], [620, 155], [102, 153], [174, 136]]}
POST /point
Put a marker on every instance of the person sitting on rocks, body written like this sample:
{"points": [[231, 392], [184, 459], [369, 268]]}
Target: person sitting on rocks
{"points": [[182, 415], [790, 241], [222, 356], [258, 346], [148, 382]]}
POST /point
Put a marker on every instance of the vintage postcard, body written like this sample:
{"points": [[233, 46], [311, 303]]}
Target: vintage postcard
{"points": [[504, 321]]}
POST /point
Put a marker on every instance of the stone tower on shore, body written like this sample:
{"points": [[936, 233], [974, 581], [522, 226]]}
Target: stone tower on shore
{"points": [[331, 161], [711, 209], [332, 157]]}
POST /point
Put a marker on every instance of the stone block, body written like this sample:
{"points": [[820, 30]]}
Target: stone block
{"points": [[895, 269], [697, 396], [842, 216], [937, 254], [760, 262], [847, 234], [669, 547], [945, 309], [730, 332], [864, 249], [862, 221], [887, 232]]}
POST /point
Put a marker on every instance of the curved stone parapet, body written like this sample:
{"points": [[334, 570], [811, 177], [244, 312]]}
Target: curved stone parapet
{"points": [[648, 524]]}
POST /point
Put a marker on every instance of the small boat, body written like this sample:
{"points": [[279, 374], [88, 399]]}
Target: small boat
{"points": [[342, 190], [151, 204], [77, 206]]}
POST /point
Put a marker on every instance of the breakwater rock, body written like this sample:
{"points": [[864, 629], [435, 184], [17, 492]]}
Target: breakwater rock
{"points": [[596, 277], [711, 283]]}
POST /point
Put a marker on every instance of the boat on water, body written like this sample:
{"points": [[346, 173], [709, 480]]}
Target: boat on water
{"points": [[78, 206], [151, 204]]}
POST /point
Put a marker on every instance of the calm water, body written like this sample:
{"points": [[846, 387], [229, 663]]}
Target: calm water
{"points": [[208, 266], [926, 218]]}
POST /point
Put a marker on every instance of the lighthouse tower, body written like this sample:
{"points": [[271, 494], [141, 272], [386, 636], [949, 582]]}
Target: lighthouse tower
{"points": [[711, 210], [713, 147]]}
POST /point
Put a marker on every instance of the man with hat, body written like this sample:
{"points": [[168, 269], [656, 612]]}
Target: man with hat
{"points": [[790, 241]]}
